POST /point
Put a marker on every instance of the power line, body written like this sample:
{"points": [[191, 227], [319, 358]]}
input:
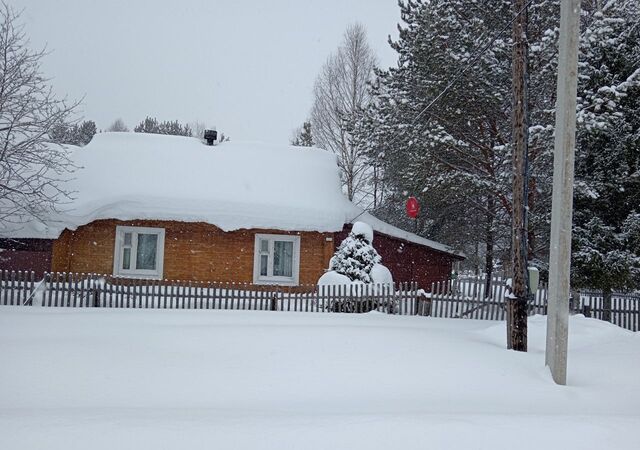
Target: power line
{"points": [[470, 64]]}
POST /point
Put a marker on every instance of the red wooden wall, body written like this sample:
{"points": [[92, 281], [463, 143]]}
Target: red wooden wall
{"points": [[408, 261], [26, 254]]}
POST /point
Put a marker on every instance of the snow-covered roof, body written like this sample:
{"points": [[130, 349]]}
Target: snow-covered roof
{"points": [[383, 227], [233, 185]]}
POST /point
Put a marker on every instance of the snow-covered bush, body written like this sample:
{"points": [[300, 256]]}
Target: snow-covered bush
{"points": [[381, 275], [356, 256], [356, 262]]}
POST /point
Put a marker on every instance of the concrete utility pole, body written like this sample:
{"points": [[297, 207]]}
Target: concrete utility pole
{"points": [[517, 304], [562, 206]]}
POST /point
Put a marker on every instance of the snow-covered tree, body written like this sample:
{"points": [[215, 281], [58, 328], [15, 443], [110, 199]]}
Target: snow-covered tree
{"points": [[73, 133], [152, 125], [606, 251], [303, 136], [198, 128], [86, 131], [341, 92], [356, 262], [451, 149], [119, 126], [439, 124], [356, 256], [31, 167]]}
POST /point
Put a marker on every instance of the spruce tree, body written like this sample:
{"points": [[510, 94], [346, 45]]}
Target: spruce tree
{"points": [[438, 126], [606, 254], [355, 258], [453, 154]]}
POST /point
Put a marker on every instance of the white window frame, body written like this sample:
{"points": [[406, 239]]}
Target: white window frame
{"points": [[295, 265], [118, 253]]}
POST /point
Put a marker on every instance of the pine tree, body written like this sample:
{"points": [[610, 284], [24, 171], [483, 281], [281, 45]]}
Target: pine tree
{"points": [[153, 126], [454, 155], [72, 133], [86, 131], [303, 136], [148, 125], [452, 147], [62, 134]]}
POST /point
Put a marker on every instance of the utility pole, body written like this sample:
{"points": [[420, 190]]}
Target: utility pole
{"points": [[562, 206], [517, 303]]}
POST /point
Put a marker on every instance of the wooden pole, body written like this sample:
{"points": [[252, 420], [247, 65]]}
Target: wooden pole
{"points": [[562, 200], [517, 304]]}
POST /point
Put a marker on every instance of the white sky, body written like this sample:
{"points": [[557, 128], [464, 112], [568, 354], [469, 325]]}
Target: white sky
{"points": [[246, 67]]}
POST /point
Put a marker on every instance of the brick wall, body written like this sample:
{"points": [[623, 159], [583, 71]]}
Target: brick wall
{"points": [[193, 251]]}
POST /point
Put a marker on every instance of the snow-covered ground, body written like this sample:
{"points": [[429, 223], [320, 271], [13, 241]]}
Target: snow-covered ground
{"points": [[158, 379]]}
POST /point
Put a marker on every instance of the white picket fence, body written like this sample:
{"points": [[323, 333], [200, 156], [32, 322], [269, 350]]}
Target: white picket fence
{"points": [[463, 298], [466, 298], [78, 290]]}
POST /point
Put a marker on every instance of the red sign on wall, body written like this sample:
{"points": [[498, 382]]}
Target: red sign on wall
{"points": [[413, 207]]}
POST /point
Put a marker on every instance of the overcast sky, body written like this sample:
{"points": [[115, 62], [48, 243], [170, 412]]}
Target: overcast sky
{"points": [[246, 67]]}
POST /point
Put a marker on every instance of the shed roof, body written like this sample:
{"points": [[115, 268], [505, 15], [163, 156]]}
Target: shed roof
{"points": [[233, 185]]}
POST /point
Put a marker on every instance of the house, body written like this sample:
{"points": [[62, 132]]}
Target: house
{"points": [[169, 207]]}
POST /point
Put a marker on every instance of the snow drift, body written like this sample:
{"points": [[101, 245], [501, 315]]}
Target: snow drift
{"points": [[157, 379]]}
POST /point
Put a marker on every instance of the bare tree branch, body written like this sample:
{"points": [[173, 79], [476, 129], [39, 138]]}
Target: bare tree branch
{"points": [[341, 91], [31, 166]]}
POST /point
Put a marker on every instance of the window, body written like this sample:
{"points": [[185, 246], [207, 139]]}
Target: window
{"points": [[276, 259], [139, 252]]}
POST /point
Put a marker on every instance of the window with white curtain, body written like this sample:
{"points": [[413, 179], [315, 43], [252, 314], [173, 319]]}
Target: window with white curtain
{"points": [[276, 259], [139, 252]]}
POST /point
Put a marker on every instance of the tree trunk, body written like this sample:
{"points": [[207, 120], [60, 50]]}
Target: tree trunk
{"points": [[488, 262], [375, 187], [606, 304], [477, 259], [517, 339], [531, 203]]}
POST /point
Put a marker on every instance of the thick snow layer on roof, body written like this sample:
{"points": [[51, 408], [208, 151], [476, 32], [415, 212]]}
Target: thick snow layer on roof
{"points": [[233, 185]]}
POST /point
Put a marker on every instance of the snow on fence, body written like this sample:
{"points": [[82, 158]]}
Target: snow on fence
{"points": [[462, 298], [624, 311], [60, 289], [465, 298]]}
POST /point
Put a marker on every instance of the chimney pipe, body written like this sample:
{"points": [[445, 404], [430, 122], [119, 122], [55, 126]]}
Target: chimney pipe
{"points": [[210, 136]]}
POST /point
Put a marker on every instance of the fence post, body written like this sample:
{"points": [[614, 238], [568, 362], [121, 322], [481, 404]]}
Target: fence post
{"points": [[274, 302], [423, 305], [586, 310], [95, 286], [574, 302]]}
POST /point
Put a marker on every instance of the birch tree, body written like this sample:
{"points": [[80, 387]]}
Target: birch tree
{"points": [[31, 166], [341, 92]]}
